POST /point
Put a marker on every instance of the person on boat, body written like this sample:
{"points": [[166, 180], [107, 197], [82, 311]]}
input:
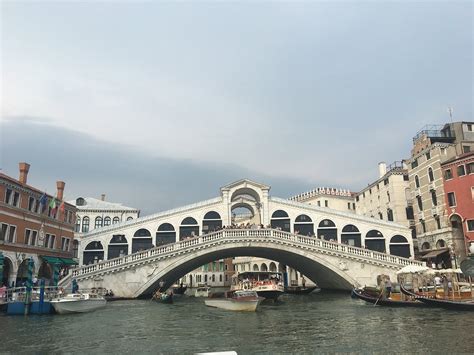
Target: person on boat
{"points": [[445, 286], [388, 288], [437, 281], [303, 281]]}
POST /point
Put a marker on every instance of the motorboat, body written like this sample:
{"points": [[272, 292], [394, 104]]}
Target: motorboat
{"points": [[202, 291], [300, 290], [78, 303], [236, 301], [267, 284]]}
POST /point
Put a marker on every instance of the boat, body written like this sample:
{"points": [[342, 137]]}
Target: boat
{"points": [[466, 305], [384, 302], [236, 300], [300, 290], [78, 303], [267, 284], [202, 291], [163, 297], [179, 289]]}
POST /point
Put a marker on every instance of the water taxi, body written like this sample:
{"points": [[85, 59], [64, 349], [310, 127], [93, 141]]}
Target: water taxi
{"points": [[78, 303], [236, 301], [267, 284], [202, 291]]}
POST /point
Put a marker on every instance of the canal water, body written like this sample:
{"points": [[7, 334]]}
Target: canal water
{"points": [[316, 323]]}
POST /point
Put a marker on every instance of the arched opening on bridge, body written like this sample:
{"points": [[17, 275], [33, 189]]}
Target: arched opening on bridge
{"points": [[304, 225], [22, 274], [246, 206], [263, 267], [255, 267], [93, 253], [107, 221], [165, 234], [211, 222], [118, 246], [327, 230], [273, 267], [7, 270], [425, 246], [374, 240], [242, 213], [189, 228], [45, 272], [280, 220], [141, 240], [399, 246], [350, 235]]}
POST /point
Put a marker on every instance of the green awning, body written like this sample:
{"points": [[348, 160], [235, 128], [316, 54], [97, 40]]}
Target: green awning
{"points": [[52, 260], [68, 261]]}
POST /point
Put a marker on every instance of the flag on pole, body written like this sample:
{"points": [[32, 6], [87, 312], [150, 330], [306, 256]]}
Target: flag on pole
{"points": [[52, 205], [43, 201], [61, 208]]}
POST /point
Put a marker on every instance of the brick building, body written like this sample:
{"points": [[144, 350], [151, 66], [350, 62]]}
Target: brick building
{"points": [[33, 225]]}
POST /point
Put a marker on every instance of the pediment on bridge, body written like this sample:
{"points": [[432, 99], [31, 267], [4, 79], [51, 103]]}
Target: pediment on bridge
{"points": [[245, 183]]}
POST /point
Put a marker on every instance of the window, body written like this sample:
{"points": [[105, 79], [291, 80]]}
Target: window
{"points": [[451, 199], [410, 214], [65, 243], [385, 182], [78, 224], [106, 221], [3, 231], [370, 191], [420, 204], [7, 233], [448, 174], [423, 226], [433, 198], [115, 220], [438, 222], [390, 215], [326, 203], [388, 196], [428, 156], [380, 215], [11, 234], [414, 163], [470, 225], [348, 205], [319, 203], [353, 206], [85, 224], [49, 241], [357, 198], [417, 181], [466, 149], [98, 222], [8, 195], [461, 171], [30, 237], [31, 204], [469, 127], [405, 177], [470, 168], [129, 218], [430, 174]]}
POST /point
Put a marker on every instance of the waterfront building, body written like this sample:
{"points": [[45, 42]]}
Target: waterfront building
{"points": [[34, 225], [335, 198], [215, 274], [439, 241], [458, 175]]}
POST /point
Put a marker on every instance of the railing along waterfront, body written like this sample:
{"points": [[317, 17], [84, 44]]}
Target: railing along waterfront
{"points": [[239, 235]]}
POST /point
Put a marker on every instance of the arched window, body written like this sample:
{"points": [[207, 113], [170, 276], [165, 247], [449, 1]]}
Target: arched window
{"points": [[374, 240], [440, 244], [425, 246], [280, 220], [75, 248], [390, 214], [255, 267], [350, 235], [263, 267], [78, 224], [211, 222], [189, 228], [118, 246], [417, 181], [165, 234], [98, 222], [107, 221], [304, 225], [115, 220], [430, 174], [141, 240], [327, 230], [273, 267], [129, 218], [399, 246], [85, 224], [93, 253]]}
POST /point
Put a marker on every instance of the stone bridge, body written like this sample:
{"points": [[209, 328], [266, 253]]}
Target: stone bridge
{"points": [[332, 265]]}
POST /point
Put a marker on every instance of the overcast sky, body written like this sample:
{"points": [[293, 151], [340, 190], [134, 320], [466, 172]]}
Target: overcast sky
{"points": [[138, 99]]}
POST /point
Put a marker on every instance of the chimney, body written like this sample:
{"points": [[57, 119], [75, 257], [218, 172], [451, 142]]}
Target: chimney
{"points": [[24, 168], [60, 186], [102, 197], [382, 169]]}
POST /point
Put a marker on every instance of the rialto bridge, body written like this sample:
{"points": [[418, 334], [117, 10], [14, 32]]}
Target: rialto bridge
{"points": [[333, 248]]}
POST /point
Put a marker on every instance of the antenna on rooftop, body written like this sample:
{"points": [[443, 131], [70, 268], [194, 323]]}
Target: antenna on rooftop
{"points": [[450, 111]]}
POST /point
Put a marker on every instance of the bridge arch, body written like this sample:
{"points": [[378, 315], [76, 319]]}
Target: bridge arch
{"points": [[280, 220], [304, 225], [211, 222], [93, 253], [141, 240], [117, 247], [165, 234], [189, 228], [327, 230], [399, 246], [351, 235], [374, 240]]}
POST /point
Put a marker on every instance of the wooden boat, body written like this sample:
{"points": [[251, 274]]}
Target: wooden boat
{"points": [[300, 290], [384, 302], [467, 305], [163, 297], [236, 301]]}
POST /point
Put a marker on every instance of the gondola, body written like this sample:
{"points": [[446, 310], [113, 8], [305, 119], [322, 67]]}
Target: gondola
{"points": [[299, 290], [163, 297], [379, 301], [442, 303]]}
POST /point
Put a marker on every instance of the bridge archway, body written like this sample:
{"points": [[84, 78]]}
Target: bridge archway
{"points": [[304, 225], [399, 246], [374, 240], [93, 253], [350, 235], [118, 246], [280, 220], [189, 228], [211, 222], [141, 240], [327, 230], [165, 234]]}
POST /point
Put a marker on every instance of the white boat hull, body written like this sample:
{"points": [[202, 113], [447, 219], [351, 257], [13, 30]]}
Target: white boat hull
{"points": [[77, 306], [233, 305]]}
